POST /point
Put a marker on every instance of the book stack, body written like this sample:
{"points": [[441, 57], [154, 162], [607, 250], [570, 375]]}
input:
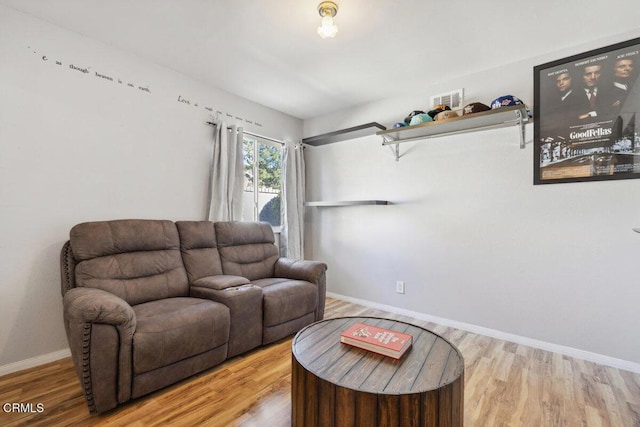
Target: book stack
{"points": [[379, 340]]}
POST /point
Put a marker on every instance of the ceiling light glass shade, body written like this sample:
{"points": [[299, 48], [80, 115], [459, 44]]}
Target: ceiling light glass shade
{"points": [[328, 28]]}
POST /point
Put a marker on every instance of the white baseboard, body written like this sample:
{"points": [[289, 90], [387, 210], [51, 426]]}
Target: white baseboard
{"points": [[505, 336], [34, 361]]}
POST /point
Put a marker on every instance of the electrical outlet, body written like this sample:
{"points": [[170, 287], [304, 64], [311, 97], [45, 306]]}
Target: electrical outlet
{"points": [[400, 287]]}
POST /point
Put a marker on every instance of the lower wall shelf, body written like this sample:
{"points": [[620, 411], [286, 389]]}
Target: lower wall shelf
{"points": [[348, 203]]}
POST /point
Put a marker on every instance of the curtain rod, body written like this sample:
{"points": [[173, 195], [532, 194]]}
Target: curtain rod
{"points": [[277, 141]]}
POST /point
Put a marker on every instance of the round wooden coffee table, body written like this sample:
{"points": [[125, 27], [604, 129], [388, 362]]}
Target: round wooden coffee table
{"points": [[336, 384]]}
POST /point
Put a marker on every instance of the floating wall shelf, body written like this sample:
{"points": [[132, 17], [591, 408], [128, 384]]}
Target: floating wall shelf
{"points": [[492, 119], [344, 134], [348, 203]]}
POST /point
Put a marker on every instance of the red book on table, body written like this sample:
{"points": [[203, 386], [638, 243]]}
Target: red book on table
{"points": [[379, 340]]}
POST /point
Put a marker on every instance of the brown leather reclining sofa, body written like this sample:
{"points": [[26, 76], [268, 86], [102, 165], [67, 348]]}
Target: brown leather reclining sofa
{"points": [[150, 302]]}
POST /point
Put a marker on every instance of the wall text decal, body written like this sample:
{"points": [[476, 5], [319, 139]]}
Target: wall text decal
{"points": [[107, 77]]}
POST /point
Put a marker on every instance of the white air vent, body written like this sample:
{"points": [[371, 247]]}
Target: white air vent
{"points": [[453, 99]]}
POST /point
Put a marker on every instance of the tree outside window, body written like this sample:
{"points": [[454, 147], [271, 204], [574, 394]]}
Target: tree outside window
{"points": [[263, 182]]}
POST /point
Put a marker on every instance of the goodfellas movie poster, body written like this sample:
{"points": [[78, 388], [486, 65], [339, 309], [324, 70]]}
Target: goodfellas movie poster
{"points": [[585, 116]]}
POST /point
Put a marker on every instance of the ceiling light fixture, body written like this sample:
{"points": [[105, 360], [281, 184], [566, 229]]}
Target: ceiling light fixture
{"points": [[327, 10]]}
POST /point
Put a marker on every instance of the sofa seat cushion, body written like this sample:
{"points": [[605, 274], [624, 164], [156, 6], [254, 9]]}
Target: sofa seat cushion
{"points": [[175, 329], [286, 299]]}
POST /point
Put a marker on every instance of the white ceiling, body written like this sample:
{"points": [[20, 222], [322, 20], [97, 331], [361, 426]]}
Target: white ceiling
{"points": [[268, 51]]}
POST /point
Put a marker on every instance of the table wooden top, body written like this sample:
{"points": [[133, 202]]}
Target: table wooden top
{"points": [[431, 363]]}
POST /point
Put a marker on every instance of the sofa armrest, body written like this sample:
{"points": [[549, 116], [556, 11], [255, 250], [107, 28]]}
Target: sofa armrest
{"points": [[100, 328], [88, 305], [311, 271]]}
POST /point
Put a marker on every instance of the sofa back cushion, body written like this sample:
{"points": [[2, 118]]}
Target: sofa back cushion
{"points": [[247, 249], [137, 260], [199, 249]]}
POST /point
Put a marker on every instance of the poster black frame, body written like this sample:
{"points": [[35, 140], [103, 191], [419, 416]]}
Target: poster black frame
{"points": [[546, 118]]}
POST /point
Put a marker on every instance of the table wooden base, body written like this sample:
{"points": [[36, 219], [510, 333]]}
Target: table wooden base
{"points": [[316, 402]]}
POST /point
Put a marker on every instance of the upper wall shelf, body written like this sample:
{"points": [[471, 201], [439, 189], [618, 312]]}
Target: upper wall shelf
{"points": [[500, 117], [344, 134], [347, 203]]}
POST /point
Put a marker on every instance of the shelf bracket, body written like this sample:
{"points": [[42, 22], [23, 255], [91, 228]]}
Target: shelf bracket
{"points": [[522, 130], [395, 148]]}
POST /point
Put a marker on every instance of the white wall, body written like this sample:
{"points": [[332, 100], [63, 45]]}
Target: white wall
{"points": [[76, 147], [470, 235], [474, 240]]}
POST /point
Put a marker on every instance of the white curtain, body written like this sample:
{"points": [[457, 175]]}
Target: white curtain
{"points": [[292, 238], [226, 177]]}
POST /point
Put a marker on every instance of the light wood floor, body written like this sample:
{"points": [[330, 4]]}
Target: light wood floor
{"points": [[506, 384]]}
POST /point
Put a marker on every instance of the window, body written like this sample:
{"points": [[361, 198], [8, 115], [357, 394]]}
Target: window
{"points": [[263, 182]]}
